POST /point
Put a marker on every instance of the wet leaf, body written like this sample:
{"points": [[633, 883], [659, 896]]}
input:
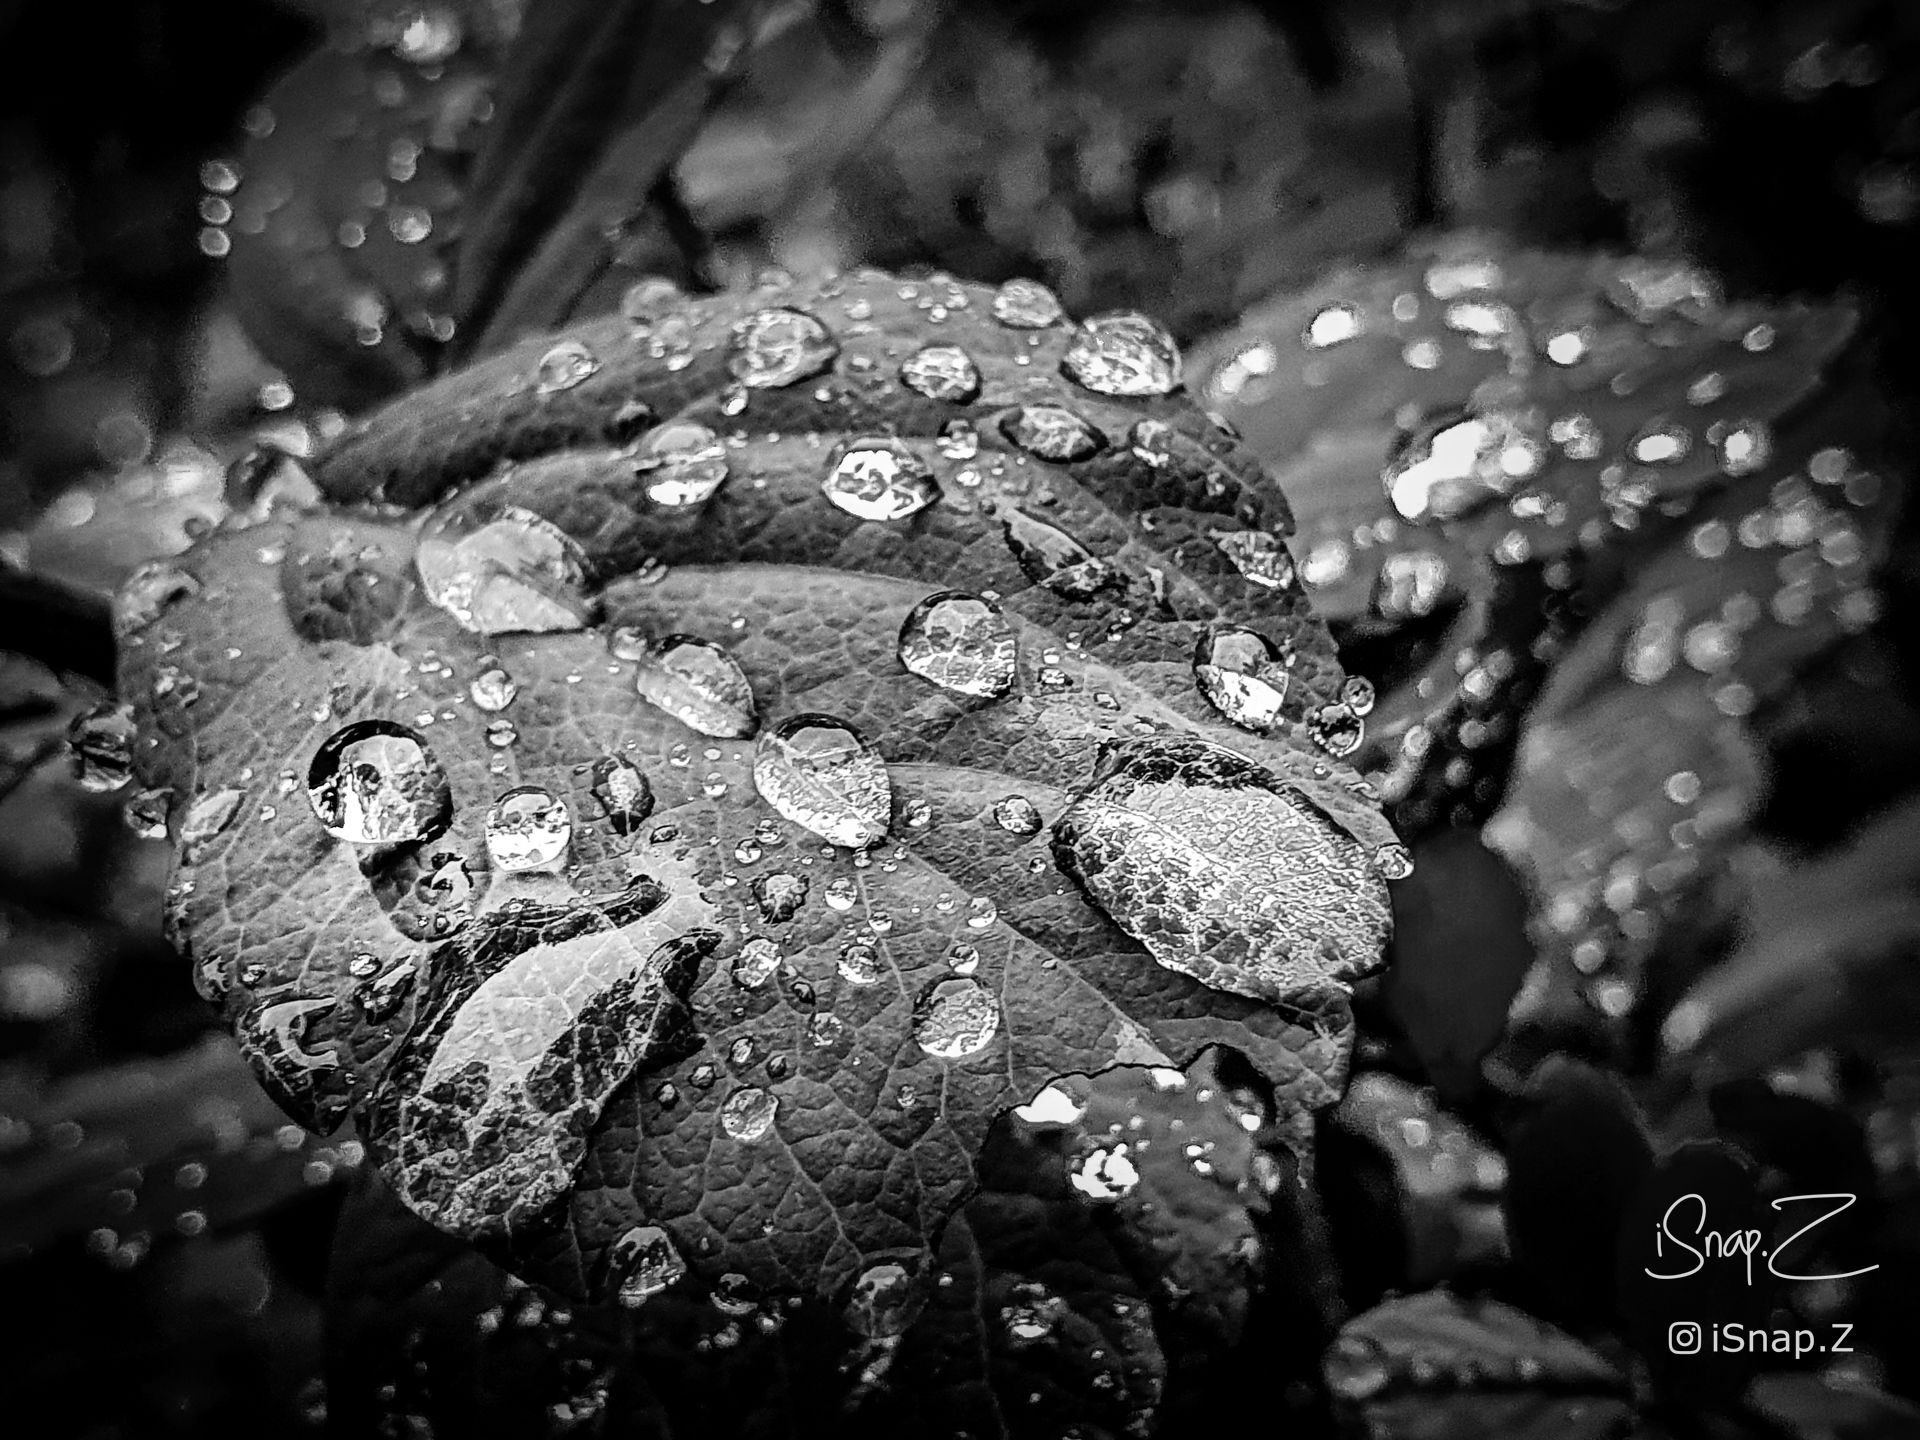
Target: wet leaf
{"points": [[562, 1020]]}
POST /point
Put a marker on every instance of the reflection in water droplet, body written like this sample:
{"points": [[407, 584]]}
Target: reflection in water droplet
{"points": [[1026, 305], [859, 963], [699, 684], [1016, 815], [493, 689], [147, 813], [1356, 693], [756, 963], [1394, 862], [642, 1263], [1052, 432], [623, 792], [501, 569], [528, 828], [1336, 729], [955, 1017], [1449, 469], [100, 747], [1104, 1172], [748, 1113], [883, 1302], [879, 479], [1123, 353], [145, 593], [779, 347], [382, 996], [375, 783], [942, 372], [779, 896], [564, 366], [680, 464], [960, 642], [275, 1038], [1051, 557], [1243, 675], [1260, 557], [819, 773]]}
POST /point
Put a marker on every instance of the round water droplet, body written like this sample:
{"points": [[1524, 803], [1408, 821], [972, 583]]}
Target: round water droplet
{"points": [[960, 642], [1016, 815], [1243, 675], [748, 1113], [1356, 693], [528, 828], [681, 464], [1336, 729], [1052, 432], [955, 1017], [563, 367], [493, 689], [1331, 326], [756, 963], [498, 569], [624, 794], [825, 1029], [699, 684], [146, 593], [100, 747], [645, 301], [959, 440], [1104, 1172], [1258, 556], [779, 896], [842, 893], [1123, 353], [778, 347], [879, 479], [1448, 469], [375, 782], [883, 1302], [1394, 862], [642, 1263], [942, 372], [1026, 305], [981, 912], [859, 963], [819, 773]]}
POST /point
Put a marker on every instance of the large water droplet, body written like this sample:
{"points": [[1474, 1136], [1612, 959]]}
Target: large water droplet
{"points": [[623, 792], [148, 591], [779, 896], [563, 367], [501, 569], [699, 684], [1026, 305], [1052, 432], [1258, 556], [1016, 815], [528, 828], [880, 479], [942, 372], [100, 747], [1123, 353], [883, 1301], [493, 689], [642, 1263], [375, 782], [1336, 729], [960, 642], [1451, 468], [955, 1017], [681, 463], [819, 773], [756, 963], [1051, 557], [275, 1039], [772, 348], [748, 1113], [1244, 676]]}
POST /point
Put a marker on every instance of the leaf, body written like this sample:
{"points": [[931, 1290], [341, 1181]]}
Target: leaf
{"points": [[847, 1051], [1435, 1366]]}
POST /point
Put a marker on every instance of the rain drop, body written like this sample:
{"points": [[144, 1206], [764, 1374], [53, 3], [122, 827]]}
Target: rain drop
{"points": [[779, 896], [879, 479], [748, 1113], [1243, 675], [623, 792], [1448, 469], [1026, 305], [1123, 353], [1052, 432], [859, 963], [1104, 1172], [528, 828], [681, 464], [100, 747], [1051, 557], [779, 347], [1356, 693], [1331, 326], [511, 571], [822, 775], [563, 367], [642, 1263], [942, 372], [960, 642], [1336, 729], [1258, 556], [375, 782], [1016, 815], [493, 689], [699, 684], [756, 963], [146, 593], [955, 1017]]}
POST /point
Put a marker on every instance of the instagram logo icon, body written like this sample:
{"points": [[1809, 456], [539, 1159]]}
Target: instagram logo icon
{"points": [[1683, 1337]]}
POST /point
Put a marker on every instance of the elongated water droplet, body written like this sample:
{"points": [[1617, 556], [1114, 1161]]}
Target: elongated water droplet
{"points": [[778, 347], [1051, 557], [1244, 676], [822, 775], [942, 372], [1260, 557], [756, 963], [779, 896], [1016, 815], [1123, 353], [699, 684], [207, 816], [143, 595], [623, 792], [528, 828], [955, 1017], [879, 479], [642, 1263], [681, 464], [375, 782], [1052, 432], [960, 642], [748, 1113], [100, 747], [564, 366], [1453, 467], [500, 569], [1026, 305]]}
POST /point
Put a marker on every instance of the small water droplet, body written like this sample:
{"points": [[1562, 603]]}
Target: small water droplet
{"points": [[1356, 693], [148, 812], [779, 896], [942, 372], [1052, 432], [681, 464], [564, 366], [859, 963], [1258, 556], [375, 782], [1123, 353], [756, 963], [623, 792], [822, 775], [879, 479], [1016, 815], [100, 747], [528, 828], [1331, 326], [699, 684], [1336, 729], [748, 1113], [779, 347], [955, 1017], [642, 1263], [1394, 862], [959, 440], [883, 1302], [493, 689], [1243, 675], [207, 816], [1026, 305], [841, 893], [981, 912], [1030, 1314], [1051, 557], [960, 642], [1104, 1172]]}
